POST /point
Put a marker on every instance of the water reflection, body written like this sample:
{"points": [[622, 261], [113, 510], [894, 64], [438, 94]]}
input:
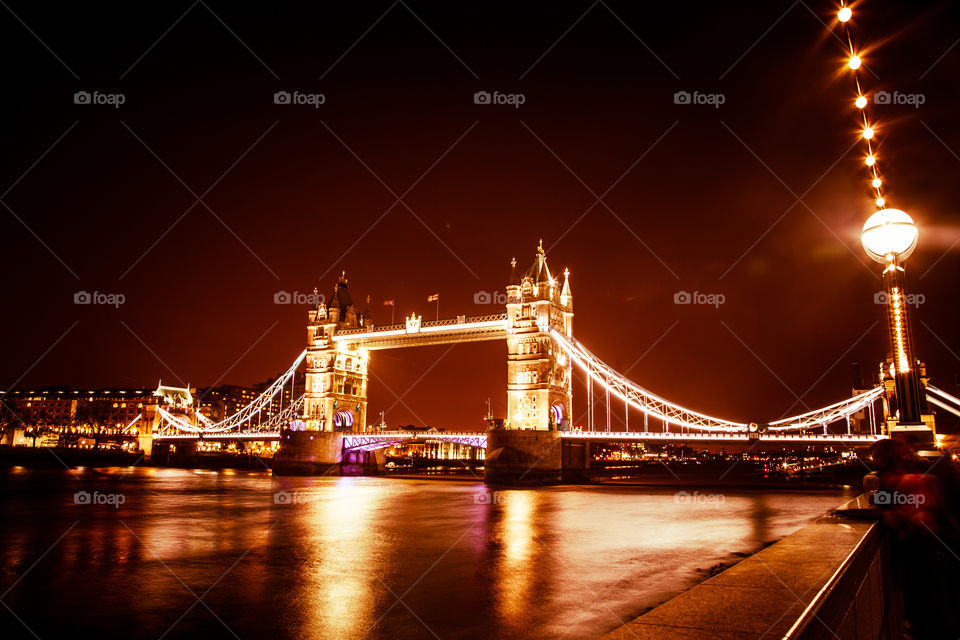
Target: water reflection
{"points": [[514, 545], [331, 561], [342, 557]]}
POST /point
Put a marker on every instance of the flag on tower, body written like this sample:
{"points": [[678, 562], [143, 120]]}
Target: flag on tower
{"points": [[388, 303], [434, 298]]}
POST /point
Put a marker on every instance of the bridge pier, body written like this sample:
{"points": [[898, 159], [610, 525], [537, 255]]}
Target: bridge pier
{"points": [[528, 457], [159, 453], [320, 453], [363, 463]]}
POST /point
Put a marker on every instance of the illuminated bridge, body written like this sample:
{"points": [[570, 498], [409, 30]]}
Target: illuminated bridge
{"points": [[327, 423]]}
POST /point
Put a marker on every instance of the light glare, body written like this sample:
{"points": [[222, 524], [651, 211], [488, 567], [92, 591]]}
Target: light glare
{"points": [[881, 202], [868, 133], [854, 62], [861, 102], [844, 14], [889, 232], [871, 160], [876, 183]]}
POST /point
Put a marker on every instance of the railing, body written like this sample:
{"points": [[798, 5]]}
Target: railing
{"points": [[866, 438], [831, 580]]}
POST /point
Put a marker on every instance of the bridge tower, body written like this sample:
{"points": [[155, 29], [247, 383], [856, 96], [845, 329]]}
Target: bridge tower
{"points": [[526, 448], [539, 375], [336, 377]]}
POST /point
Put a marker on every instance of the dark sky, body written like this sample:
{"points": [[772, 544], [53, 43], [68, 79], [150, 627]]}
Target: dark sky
{"points": [[694, 197]]}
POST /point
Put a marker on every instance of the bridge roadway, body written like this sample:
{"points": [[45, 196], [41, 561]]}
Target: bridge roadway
{"points": [[378, 440]]}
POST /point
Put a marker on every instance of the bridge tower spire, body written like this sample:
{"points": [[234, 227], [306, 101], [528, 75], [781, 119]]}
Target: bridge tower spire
{"points": [[539, 374]]}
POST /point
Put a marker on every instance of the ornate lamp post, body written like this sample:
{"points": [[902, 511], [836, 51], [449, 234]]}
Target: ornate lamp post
{"points": [[889, 237]]}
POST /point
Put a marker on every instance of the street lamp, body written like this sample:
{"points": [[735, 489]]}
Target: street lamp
{"points": [[889, 237]]}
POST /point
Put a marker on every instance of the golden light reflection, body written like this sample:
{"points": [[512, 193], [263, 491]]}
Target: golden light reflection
{"points": [[337, 593], [515, 568]]}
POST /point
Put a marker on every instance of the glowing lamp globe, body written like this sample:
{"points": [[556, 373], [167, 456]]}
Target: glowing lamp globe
{"points": [[889, 233]]}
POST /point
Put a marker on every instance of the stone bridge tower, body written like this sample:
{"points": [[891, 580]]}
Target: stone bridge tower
{"points": [[539, 376], [335, 395], [527, 447]]}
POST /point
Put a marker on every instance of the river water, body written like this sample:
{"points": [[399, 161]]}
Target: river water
{"points": [[173, 553]]}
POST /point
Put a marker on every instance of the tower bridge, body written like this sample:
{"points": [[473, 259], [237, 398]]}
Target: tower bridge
{"points": [[325, 430]]}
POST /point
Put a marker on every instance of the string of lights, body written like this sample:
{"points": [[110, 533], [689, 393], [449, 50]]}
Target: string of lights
{"points": [[869, 131]]}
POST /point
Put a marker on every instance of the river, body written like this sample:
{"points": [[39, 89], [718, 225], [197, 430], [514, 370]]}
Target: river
{"points": [[172, 553]]}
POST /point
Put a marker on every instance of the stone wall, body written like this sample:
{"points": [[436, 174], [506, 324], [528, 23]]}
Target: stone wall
{"points": [[831, 579]]}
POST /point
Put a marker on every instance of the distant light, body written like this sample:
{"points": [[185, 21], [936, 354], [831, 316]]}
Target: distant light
{"points": [[861, 102], [876, 183], [881, 202], [871, 160], [854, 62], [868, 133], [844, 14]]}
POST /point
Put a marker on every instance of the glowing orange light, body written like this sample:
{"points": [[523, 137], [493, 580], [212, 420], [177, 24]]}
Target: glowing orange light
{"points": [[854, 62], [844, 14], [871, 160], [876, 183], [868, 133], [861, 102], [881, 202]]}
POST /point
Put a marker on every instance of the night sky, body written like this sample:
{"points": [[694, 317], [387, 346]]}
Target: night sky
{"points": [[692, 197]]}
